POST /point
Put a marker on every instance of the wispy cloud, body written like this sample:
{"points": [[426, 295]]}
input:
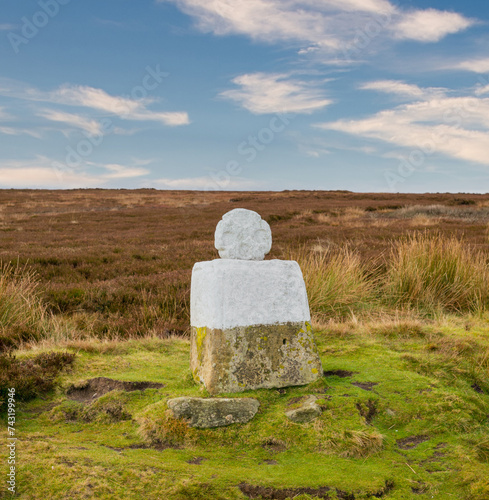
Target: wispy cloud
{"points": [[7, 27], [117, 171], [92, 127], [38, 172], [43, 177], [263, 93], [454, 126], [482, 90], [42, 172], [97, 99], [430, 25], [403, 89], [323, 27], [20, 131], [480, 65]]}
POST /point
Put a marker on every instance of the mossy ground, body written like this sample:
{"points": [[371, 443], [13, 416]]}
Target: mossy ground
{"points": [[405, 416]]}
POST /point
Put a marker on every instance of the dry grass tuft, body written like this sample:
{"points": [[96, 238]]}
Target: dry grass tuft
{"points": [[356, 444], [162, 429], [22, 314], [336, 282], [435, 272]]}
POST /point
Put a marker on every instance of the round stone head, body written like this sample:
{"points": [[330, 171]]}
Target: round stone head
{"points": [[243, 234]]}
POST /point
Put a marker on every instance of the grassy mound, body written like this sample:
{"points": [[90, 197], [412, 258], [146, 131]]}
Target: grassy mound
{"points": [[32, 376], [404, 405]]}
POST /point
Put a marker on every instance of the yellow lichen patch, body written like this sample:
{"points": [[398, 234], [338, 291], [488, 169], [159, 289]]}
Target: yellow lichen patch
{"points": [[200, 334]]}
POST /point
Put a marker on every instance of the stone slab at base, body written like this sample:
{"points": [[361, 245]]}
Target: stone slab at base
{"points": [[254, 357], [213, 412]]}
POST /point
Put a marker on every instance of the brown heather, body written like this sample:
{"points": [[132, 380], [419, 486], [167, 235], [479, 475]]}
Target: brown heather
{"points": [[117, 263]]}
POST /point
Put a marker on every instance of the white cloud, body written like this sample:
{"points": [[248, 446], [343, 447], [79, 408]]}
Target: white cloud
{"points": [[457, 127], [43, 172], [171, 118], [123, 107], [40, 173], [122, 172], [482, 90], [263, 93], [43, 177], [476, 65], [92, 127], [326, 26], [20, 131], [93, 98], [430, 25], [402, 89], [78, 95], [267, 20], [7, 27]]}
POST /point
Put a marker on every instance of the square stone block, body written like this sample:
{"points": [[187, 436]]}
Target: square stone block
{"points": [[250, 326]]}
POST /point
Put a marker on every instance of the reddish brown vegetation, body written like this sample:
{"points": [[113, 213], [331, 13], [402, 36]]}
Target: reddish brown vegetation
{"points": [[119, 261]]}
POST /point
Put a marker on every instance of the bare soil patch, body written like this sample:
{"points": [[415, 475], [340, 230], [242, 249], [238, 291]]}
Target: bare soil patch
{"points": [[325, 492], [144, 446], [366, 386], [412, 441], [367, 410], [275, 445], [477, 388], [338, 373], [97, 387]]}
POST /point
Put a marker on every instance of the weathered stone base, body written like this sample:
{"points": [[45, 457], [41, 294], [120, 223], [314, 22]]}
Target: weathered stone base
{"points": [[253, 357]]}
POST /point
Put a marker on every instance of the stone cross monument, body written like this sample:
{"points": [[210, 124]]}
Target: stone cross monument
{"points": [[249, 316]]}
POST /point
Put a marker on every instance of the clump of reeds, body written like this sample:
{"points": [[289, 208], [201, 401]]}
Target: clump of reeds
{"points": [[337, 283], [434, 273], [23, 316]]}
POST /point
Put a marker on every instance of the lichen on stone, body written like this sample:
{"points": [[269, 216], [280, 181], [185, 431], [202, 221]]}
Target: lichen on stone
{"points": [[259, 356]]}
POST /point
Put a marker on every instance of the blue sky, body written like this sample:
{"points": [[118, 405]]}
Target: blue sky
{"points": [[364, 95]]}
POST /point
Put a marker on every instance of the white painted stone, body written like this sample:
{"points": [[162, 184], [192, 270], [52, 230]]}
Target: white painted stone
{"points": [[243, 234], [228, 293], [249, 317]]}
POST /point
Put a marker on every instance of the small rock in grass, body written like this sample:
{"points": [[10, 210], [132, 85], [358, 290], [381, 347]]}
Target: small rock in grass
{"points": [[306, 413]]}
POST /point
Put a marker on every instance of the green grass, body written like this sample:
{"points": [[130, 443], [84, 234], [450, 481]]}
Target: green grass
{"points": [[421, 381], [409, 321]]}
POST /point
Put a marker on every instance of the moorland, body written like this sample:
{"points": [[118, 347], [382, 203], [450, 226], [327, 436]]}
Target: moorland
{"points": [[95, 283]]}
